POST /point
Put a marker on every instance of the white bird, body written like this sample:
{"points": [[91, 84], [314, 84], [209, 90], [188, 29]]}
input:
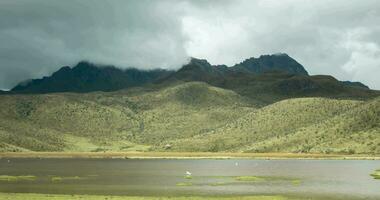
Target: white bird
{"points": [[188, 173], [236, 164]]}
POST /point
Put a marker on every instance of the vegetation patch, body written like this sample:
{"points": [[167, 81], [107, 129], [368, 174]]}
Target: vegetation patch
{"points": [[184, 184], [294, 181], [17, 178], [188, 177], [376, 174], [249, 178], [218, 184], [65, 178]]}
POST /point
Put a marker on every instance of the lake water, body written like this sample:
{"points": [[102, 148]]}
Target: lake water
{"points": [[329, 178]]}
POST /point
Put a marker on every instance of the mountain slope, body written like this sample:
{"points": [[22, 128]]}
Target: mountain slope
{"points": [[192, 116], [87, 77], [117, 121], [273, 121]]}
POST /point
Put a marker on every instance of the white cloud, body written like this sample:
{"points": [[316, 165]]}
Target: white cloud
{"points": [[364, 61]]}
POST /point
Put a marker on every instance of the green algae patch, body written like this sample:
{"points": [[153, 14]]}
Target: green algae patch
{"points": [[249, 178], [17, 178], [376, 174], [184, 184], [293, 181], [218, 184], [296, 182], [188, 177], [65, 178]]}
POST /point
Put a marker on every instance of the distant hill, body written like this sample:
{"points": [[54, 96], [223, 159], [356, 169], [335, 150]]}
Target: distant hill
{"points": [[88, 77], [355, 84]]}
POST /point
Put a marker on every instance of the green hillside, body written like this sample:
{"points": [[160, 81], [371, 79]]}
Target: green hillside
{"points": [[192, 116], [114, 121]]}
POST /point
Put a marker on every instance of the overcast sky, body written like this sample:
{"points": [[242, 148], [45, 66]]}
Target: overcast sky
{"points": [[335, 37]]}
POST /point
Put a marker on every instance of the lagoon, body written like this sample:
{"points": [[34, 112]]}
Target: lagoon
{"points": [[209, 177]]}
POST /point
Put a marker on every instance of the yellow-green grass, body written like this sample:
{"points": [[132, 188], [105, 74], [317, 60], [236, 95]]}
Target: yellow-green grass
{"points": [[20, 196], [376, 174], [17, 178]]}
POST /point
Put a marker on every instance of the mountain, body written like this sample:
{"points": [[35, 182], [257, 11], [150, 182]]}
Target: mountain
{"points": [[268, 79], [355, 84], [87, 77], [266, 63], [265, 104]]}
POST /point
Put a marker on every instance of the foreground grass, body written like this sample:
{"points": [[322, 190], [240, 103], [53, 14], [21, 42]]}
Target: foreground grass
{"points": [[184, 155], [19, 196]]}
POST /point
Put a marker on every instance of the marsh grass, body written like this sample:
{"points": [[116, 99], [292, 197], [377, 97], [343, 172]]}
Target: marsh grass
{"points": [[294, 181], [184, 184], [17, 178], [218, 184], [188, 177], [67, 178], [376, 174], [249, 178]]}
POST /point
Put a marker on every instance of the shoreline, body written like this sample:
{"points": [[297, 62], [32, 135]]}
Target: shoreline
{"points": [[187, 155]]}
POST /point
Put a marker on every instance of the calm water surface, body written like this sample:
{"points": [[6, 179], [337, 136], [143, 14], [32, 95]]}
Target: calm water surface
{"points": [[335, 178]]}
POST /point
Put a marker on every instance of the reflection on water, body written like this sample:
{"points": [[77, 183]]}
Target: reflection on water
{"points": [[208, 177]]}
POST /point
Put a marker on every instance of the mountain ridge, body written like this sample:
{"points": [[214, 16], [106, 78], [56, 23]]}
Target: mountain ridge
{"points": [[88, 77]]}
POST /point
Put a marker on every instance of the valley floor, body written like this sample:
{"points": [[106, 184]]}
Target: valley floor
{"points": [[185, 155]]}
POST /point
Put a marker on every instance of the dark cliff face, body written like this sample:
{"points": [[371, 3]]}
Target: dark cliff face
{"points": [[267, 63], [87, 77]]}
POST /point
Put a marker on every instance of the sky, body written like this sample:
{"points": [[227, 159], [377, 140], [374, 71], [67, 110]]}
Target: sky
{"points": [[334, 37]]}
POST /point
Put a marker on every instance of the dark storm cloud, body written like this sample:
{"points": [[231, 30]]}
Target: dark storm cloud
{"points": [[328, 36]]}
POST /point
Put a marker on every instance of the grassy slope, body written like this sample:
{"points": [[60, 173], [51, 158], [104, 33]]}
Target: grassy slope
{"points": [[273, 121], [190, 116], [354, 131], [114, 121]]}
